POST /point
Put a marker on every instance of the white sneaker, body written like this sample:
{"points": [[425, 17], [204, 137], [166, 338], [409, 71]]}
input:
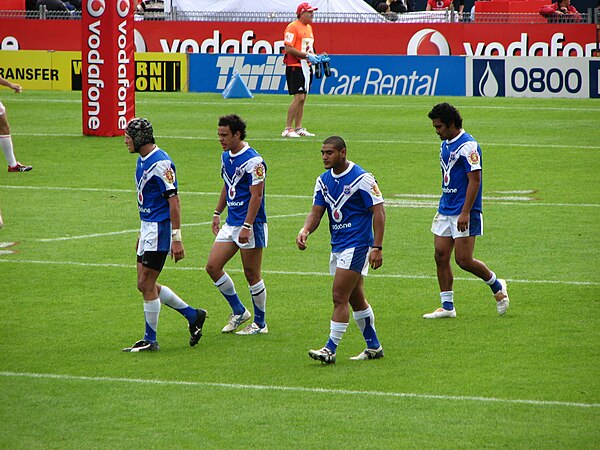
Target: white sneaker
{"points": [[323, 354], [501, 296], [303, 132], [440, 313], [289, 133], [369, 353], [253, 328], [235, 321]]}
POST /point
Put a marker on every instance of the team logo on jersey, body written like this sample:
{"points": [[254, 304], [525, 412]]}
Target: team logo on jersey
{"points": [[231, 192], [347, 190], [473, 157], [375, 190], [239, 172], [325, 191], [336, 214], [169, 175], [259, 172]]}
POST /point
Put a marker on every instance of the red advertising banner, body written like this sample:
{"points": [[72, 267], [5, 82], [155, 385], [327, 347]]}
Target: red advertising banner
{"points": [[457, 39], [108, 67]]}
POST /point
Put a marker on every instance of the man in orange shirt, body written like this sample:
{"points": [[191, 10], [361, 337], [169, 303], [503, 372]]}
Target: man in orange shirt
{"points": [[299, 52]]}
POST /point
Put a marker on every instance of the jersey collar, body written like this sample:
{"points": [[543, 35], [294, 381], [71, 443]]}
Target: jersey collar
{"points": [[244, 148], [350, 166], [457, 137], [144, 158]]}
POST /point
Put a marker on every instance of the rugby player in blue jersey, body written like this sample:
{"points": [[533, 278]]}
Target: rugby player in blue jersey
{"points": [[354, 205], [459, 217], [243, 194], [160, 233]]}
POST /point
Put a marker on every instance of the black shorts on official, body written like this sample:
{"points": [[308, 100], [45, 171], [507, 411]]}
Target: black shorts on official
{"points": [[295, 77], [153, 260]]}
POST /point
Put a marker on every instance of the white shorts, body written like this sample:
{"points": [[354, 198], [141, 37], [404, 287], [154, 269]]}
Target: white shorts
{"points": [[154, 237], [2, 109], [258, 238], [447, 226], [356, 259]]}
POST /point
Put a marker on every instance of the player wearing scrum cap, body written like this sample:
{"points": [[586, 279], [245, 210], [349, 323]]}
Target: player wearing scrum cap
{"points": [[160, 233]]}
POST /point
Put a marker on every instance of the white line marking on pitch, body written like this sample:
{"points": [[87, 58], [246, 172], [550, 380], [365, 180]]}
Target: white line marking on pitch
{"points": [[112, 233], [389, 201], [365, 141], [289, 272], [301, 389]]}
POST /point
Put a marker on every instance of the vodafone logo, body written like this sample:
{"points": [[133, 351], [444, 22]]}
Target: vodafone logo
{"points": [[95, 8], [428, 42]]}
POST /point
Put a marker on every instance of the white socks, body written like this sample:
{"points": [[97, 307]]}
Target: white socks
{"points": [[7, 149]]}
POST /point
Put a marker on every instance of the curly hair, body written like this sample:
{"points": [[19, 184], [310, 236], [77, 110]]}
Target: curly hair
{"points": [[447, 113], [235, 124]]}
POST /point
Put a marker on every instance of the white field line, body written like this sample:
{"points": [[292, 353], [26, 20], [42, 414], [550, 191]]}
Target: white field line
{"points": [[112, 233], [316, 102], [390, 201], [366, 141], [289, 272], [260, 387]]}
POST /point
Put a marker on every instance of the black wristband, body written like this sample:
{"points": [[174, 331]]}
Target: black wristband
{"points": [[247, 226], [378, 247]]}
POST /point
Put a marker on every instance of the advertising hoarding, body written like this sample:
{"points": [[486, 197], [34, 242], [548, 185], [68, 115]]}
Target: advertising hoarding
{"points": [[466, 39], [533, 77], [361, 74]]}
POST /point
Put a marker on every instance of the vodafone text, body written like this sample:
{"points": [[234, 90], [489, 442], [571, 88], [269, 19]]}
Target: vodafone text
{"points": [[122, 78], [341, 226], [94, 74], [556, 47], [216, 45], [97, 77]]}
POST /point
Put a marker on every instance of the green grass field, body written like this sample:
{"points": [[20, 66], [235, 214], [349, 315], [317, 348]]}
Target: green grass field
{"points": [[529, 379]]}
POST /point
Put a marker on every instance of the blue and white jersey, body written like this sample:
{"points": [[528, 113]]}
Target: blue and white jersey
{"points": [[240, 171], [348, 197], [154, 175], [458, 157]]}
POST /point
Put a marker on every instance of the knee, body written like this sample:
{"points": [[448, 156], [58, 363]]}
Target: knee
{"points": [[252, 276], [211, 269], [441, 257], [463, 262], [338, 297], [142, 285]]}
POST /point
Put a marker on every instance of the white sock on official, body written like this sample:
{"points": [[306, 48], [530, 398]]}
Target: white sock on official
{"points": [[7, 149]]}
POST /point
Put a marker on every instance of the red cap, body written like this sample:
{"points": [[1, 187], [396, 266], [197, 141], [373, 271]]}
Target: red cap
{"points": [[304, 7]]}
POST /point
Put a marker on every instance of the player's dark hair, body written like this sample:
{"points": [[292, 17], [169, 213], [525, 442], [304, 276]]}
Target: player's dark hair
{"points": [[447, 113], [337, 142], [235, 124]]}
